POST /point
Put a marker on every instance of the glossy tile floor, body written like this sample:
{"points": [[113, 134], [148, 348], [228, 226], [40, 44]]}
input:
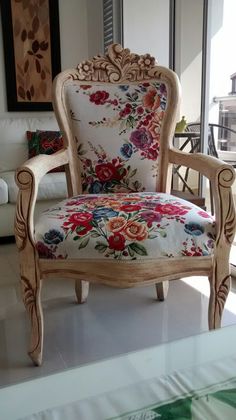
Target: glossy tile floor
{"points": [[111, 323]]}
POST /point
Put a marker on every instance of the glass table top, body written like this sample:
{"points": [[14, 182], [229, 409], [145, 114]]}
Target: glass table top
{"points": [[193, 377]]}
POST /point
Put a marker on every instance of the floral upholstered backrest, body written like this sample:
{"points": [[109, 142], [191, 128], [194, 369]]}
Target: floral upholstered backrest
{"points": [[117, 128], [120, 110]]}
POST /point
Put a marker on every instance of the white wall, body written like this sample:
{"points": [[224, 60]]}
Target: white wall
{"points": [[146, 28], [73, 32], [74, 46], [95, 27], [189, 21]]}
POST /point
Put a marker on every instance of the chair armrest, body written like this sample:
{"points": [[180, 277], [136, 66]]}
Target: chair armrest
{"points": [[41, 164], [208, 166], [27, 178], [221, 176]]}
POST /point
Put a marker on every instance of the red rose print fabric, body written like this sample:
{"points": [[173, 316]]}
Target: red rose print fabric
{"points": [[118, 130], [125, 226]]}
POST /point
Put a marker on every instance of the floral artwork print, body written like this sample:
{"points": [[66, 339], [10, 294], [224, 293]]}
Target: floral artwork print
{"points": [[125, 226], [130, 119], [32, 49]]}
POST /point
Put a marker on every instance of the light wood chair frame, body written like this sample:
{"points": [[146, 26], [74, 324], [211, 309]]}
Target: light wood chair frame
{"points": [[122, 67]]}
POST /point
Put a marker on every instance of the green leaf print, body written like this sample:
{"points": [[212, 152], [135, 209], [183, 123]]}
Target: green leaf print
{"points": [[84, 243], [138, 248], [100, 247]]}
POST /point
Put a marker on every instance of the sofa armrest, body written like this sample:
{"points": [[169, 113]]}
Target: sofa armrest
{"points": [[27, 178]]}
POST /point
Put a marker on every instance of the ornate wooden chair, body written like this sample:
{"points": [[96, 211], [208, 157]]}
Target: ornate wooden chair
{"points": [[120, 226]]}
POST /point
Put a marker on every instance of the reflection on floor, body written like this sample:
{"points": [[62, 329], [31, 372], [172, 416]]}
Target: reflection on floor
{"points": [[112, 322]]}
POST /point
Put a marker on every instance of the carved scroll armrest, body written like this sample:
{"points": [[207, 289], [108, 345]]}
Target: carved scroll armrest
{"points": [[41, 164], [27, 178], [206, 165], [221, 176]]}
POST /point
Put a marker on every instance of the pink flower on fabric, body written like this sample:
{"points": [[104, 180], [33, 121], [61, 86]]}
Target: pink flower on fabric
{"points": [[141, 138], [151, 216], [203, 214], [171, 209]]}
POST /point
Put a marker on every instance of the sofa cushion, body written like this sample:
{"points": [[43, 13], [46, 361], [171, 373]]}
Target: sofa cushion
{"points": [[3, 192], [44, 142], [13, 144], [52, 186]]}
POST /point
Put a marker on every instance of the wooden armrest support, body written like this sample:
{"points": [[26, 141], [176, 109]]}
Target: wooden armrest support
{"points": [[222, 177], [27, 178], [208, 166]]}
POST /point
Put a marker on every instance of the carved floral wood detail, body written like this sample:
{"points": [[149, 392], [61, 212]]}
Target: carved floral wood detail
{"points": [[118, 65], [29, 294], [25, 182], [227, 227], [222, 294], [225, 180], [20, 225]]}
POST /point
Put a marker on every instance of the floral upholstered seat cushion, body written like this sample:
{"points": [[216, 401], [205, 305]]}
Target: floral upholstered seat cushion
{"points": [[118, 130], [124, 226]]}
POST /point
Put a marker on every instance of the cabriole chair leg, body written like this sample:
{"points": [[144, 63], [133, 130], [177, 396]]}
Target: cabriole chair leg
{"points": [[219, 290], [31, 291]]}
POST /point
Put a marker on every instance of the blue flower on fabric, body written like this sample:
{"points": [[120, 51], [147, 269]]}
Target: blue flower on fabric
{"points": [[126, 150], [163, 104], [96, 187], [194, 229], [104, 212], [123, 87], [53, 237]]}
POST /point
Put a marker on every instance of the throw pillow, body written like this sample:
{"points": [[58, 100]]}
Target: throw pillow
{"points": [[44, 142]]}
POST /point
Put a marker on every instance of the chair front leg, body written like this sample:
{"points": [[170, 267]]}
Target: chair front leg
{"points": [[81, 290], [220, 278], [31, 294], [29, 269], [162, 290], [220, 281]]}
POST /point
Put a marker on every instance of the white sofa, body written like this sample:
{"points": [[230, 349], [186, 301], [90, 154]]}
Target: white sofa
{"points": [[13, 153]]}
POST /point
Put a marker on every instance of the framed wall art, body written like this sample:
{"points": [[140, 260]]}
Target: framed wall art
{"points": [[31, 41]]}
